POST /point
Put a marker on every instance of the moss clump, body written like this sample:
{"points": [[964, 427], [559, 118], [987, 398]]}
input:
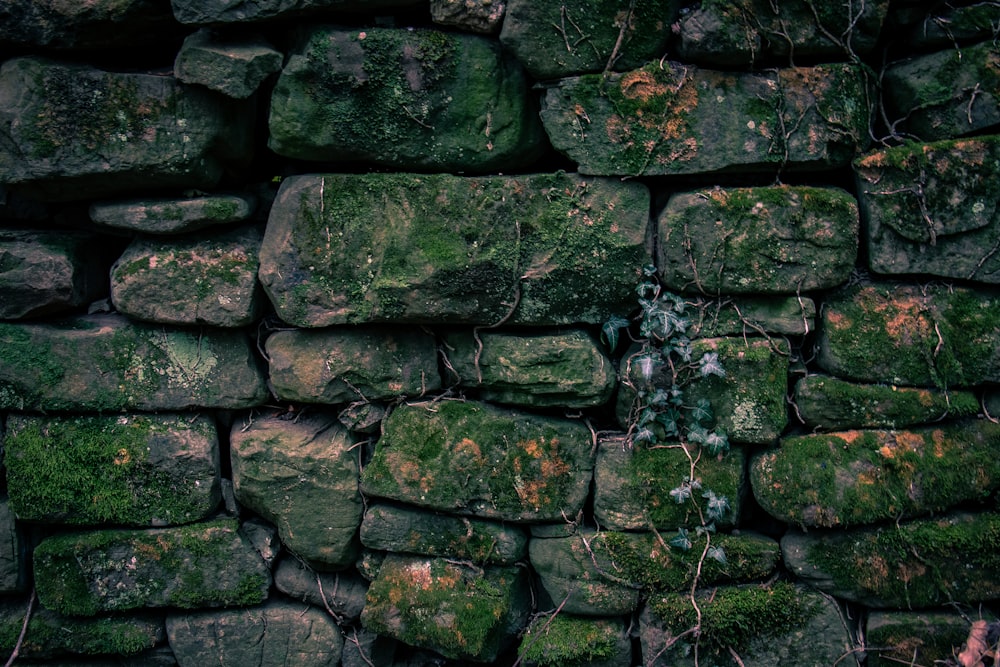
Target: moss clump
{"points": [[736, 617], [49, 634], [569, 640], [25, 363]]}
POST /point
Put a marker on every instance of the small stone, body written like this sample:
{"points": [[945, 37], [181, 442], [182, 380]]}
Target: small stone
{"points": [[234, 68], [173, 216], [482, 16]]}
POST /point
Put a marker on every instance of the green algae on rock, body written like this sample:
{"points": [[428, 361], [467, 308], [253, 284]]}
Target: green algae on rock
{"points": [[772, 240], [138, 470], [920, 637], [561, 640], [51, 635], [849, 478], [207, 564], [410, 99], [459, 611], [474, 459], [910, 565], [173, 216], [446, 249]]}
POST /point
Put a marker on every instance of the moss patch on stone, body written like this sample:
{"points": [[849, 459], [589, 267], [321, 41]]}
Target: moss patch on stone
{"points": [[571, 640], [50, 635]]}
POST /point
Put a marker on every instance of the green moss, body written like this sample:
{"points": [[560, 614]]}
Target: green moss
{"points": [[568, 640], [51, 634], [222, 210], [919, 641], [22, 358], [736, 617]]}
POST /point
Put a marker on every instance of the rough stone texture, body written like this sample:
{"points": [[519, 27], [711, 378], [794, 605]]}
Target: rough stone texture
{"points": [[107, 363], [748, 32], [902, 334], [633, 484], [348, 365], [541, 370], [302, 476], [829, 403], [276, 634], [203, 565], [440, 248], [931, 208], [602, 573], [72, 132], [13, 571], [233, 68], [858, 477], [778, 624], [42, 273], [173, 216], [921, 638], [390, 528], [917, 564], [475, 459], [364, 648], [138, 470], [207, 280], [225, 11], [749, 315], [460, 612], [408, 99], [51, 635], [555, 40], [748, 403], [482, 16], [672, 118], [342, 592], [551, 641], [944, 26], [85, 25], [947, 94], [774, 240]]}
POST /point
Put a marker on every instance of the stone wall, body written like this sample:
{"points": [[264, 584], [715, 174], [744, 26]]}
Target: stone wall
{"points": [[548, 333]]}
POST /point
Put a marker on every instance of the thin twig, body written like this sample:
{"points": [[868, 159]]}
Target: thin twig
{"points": [[24, 630]]}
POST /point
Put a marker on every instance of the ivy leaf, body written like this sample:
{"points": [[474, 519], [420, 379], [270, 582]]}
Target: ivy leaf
{"points": [[649, 270], [702, 411], [710, 365], [644, 435], [647, 366], [716, 443], [611, 329], [717, 505], [717, 553], [682, 346], [660, 398], [681, 493], [681, 540], [670, 419], [696, 434]]}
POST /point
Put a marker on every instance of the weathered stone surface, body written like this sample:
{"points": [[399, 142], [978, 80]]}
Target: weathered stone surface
{"points": [[924, 336], [224, 11], [48, 272], [263, 536], [748, 316], [772, 624], [542, 370], [390, 528], [557, 40], [947, 94], [775, 240], [364, 648], [408, 99], [920, 638], [352, 364], [917, 564], [202, 565], [747, 32], [458, 611], [931, 208], [849, 478], [830, 403], [602, 573], [748, 404], [945, 26], [276, 634], [99, 24], [633, 484], [671, 118], [74, 132], [13, 572], [233, 68], [441, 248], [206, 280], [474, 459], [551, 641], [107, 363], [341, 592], [137, 470], [482, 16], [302, 476], [173, 216], [51, 635]]}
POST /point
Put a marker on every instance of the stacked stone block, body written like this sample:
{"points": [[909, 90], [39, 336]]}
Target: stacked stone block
{"points": [[321, 342]]}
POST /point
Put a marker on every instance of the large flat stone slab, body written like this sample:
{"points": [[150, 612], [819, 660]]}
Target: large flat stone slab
{"points": [[439, 248], [670, 118]]}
